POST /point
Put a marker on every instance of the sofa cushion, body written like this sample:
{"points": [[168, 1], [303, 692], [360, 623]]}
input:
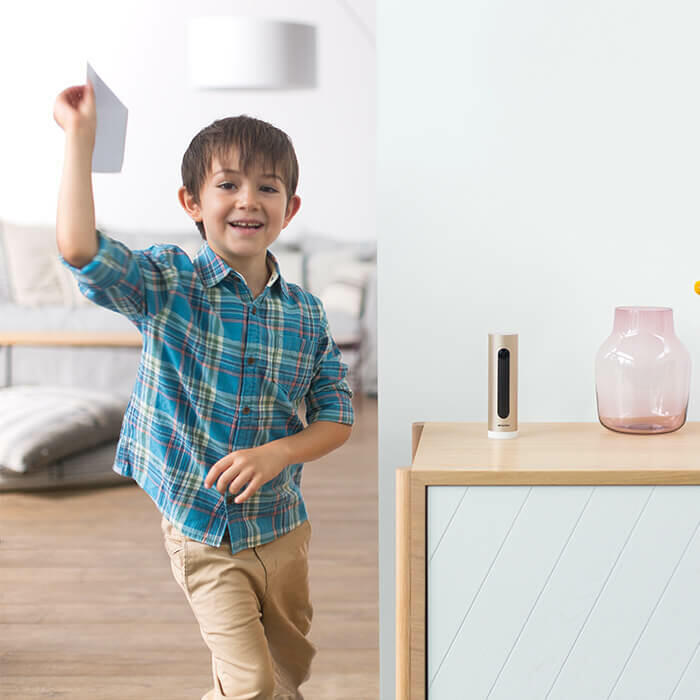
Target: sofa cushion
{"points": [[29, 252], [43, 423]]}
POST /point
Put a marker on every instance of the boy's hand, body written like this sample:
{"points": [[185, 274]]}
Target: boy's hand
{"points": [[254, 466], [75, 111]]}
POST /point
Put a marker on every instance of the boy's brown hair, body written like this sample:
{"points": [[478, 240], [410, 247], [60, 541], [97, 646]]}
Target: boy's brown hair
{"points": [[256, 141]]}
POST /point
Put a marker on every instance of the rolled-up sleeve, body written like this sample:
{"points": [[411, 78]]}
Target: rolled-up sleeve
{"points": [[329, 396], [122, 280]]}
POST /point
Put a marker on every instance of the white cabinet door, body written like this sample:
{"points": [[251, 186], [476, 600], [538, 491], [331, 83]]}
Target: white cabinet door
{"points": [[563, 592]]}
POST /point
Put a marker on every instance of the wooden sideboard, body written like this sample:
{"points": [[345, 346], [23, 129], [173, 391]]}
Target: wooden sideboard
{"points": [[563, 564]]}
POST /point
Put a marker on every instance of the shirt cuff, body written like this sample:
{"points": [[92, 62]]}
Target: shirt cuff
{"points": [[104, 269], [337, 408]]}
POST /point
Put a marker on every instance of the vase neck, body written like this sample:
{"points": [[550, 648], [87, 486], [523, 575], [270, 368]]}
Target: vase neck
{"points": [[649, 319]]}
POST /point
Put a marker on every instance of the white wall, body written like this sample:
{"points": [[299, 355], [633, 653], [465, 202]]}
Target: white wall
{"points": [[537, 166], [139, 49]]}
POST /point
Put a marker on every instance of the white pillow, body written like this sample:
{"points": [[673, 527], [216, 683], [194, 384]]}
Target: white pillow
{"points": [[30, 252]]}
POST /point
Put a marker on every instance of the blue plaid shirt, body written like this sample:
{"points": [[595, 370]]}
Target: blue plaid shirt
{"points": [[219, 371]]}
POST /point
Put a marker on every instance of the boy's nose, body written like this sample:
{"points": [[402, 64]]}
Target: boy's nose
{"points": [[247, 197]]}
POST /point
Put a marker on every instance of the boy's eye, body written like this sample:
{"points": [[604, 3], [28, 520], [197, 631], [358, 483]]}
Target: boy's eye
{"points": [[264, 188]]}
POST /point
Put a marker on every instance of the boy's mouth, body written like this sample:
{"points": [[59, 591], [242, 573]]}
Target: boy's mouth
{"points": [[245, 225]]}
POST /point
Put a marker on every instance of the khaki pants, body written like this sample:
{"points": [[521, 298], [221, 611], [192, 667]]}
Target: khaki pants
{"points": [[253, 611]]}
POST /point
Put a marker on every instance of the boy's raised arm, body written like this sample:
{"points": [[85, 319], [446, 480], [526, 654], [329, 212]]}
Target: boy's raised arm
{"points": [[75, 113]]}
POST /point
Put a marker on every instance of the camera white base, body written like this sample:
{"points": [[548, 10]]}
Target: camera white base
{"points": [[506, 435]]}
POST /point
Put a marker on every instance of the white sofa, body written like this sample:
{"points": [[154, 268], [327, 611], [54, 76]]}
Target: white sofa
{"points": [[38, 293]]}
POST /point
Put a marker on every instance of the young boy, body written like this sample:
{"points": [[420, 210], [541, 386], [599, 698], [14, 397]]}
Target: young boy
{"points": [[230, 349]]}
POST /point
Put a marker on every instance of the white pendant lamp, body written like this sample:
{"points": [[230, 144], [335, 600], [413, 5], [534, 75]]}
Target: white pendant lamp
{"points": [[242, 52]]}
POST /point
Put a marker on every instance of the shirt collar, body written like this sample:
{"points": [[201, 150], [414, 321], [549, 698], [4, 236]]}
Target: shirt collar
{"points": [[212, 269]]}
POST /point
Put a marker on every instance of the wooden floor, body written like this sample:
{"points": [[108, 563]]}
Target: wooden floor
{"points": [[89, 608]]}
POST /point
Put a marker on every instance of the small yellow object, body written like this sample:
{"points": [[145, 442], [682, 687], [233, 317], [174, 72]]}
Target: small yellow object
{"points": [[697, 287]]}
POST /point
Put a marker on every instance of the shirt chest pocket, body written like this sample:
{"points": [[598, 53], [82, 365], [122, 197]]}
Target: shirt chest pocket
{"points": [[290, 366]]}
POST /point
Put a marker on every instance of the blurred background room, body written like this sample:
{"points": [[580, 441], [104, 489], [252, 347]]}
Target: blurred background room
{"points": [[78, 617]]}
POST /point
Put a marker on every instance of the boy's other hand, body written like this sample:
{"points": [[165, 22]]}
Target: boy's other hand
{"points": [[75, 111], [254, 466]]}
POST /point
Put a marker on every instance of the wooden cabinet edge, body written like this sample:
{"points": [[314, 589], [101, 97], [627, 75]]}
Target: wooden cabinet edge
{"points": [[403, 584]]}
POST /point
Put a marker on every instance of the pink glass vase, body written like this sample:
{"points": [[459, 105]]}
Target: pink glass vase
{"points": [[642, 373]]}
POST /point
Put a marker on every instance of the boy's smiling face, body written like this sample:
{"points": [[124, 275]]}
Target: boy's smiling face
{"points": [[243, 213]]}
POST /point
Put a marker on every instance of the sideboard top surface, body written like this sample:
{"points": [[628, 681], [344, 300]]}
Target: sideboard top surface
{"points": [[555, 453]]}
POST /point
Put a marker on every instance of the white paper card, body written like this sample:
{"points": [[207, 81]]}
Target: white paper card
{"points": [[110, 135]]}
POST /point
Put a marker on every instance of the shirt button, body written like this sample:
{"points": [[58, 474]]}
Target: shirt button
{"points": [[251, 360], [254, 310], [246, 410]]}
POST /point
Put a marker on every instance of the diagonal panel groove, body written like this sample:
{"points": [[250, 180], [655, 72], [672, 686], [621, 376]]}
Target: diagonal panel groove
{"points": [[646, 624], [600, 592], [447, 527], [481, 585], [685, 670], [539, 595]]}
